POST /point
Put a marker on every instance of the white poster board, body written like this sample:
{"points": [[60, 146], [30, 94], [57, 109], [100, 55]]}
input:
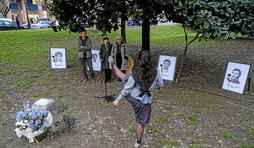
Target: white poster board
{"points": [[236, 77], [167, 67], [58, 58], [96, 60]]}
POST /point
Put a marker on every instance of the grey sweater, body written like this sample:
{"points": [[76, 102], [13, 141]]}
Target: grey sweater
{"points": [[85, 51], [134, 90]]}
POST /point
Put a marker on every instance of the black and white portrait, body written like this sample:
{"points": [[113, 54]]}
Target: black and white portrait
{"points": [[236, 76], [167, 66], [58, 58], [96, 60]]}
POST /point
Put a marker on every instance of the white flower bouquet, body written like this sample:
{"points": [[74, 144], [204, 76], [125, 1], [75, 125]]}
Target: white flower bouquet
{"points": [[32, 122]]}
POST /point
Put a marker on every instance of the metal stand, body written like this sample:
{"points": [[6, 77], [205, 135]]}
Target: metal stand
{"points": [[105, 96], [248, 85]]}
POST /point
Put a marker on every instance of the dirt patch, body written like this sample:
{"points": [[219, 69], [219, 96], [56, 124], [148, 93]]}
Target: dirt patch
{"points": [[193, 113]]}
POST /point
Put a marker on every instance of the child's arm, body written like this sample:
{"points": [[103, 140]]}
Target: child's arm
{"points": [[117, 71]]}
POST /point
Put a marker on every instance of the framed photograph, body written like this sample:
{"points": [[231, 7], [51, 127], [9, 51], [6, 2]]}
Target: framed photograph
{"points": [[58, 58], [96, 60], [236, 76], [167, 67]]}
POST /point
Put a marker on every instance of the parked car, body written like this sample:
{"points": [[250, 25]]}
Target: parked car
{"points": [[41, 19], [8, 25], [55, 24], [131, 23], [85, 25], [139, 23], [41, 25], [24, 25], [6, 19]]}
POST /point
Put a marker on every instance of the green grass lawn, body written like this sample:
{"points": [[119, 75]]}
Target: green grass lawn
{"points": [[29, 49], [25, 73], [160, 35]]}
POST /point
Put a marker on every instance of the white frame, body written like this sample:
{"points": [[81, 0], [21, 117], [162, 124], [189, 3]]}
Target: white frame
{"points": [[96, 65], [170, 73], [236, 85], [58, 65]]}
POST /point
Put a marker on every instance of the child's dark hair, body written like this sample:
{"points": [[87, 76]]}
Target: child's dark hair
{"points": [[145, 67], [105, 38]]}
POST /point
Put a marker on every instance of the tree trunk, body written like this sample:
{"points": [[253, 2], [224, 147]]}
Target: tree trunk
{"points": [[181, 68], [5, 7], [185, 52], [123, 28], [186, 49], [28, 21], [146, 33]]}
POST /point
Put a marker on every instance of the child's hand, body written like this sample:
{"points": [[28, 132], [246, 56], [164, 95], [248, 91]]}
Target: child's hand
{"points": [[115, 102]]}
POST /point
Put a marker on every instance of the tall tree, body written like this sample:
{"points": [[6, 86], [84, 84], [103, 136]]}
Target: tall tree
{"points": [[106, 14], [117, 9], [26, 3], [212, 19], [123, 12], [4, 7], [147, 11], [72, 13], [209, 18]]}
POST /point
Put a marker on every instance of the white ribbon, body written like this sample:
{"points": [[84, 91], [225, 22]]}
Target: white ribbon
{"points": [[30, 134]]}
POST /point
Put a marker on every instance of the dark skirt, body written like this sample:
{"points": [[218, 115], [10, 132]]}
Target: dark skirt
{"points": [[142, 111]]}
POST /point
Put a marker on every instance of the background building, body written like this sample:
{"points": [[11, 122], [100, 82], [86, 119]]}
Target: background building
{"points": [[35, 9]]}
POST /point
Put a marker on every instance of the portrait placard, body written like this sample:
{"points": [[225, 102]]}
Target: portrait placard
{"points": [[58, 58], [167, 67], [236, 76], [96, 60]]}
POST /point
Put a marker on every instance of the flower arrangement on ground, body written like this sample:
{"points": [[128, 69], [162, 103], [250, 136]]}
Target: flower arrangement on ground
{"points": [[32, 122]]}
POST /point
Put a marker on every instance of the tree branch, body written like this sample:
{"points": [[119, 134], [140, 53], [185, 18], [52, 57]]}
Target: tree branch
{"points": [[185, 34], [7, 9], [197, 35]]}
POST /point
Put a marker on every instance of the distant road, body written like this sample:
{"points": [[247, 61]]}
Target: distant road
{"points": [[168, 23], [159, 24]]}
